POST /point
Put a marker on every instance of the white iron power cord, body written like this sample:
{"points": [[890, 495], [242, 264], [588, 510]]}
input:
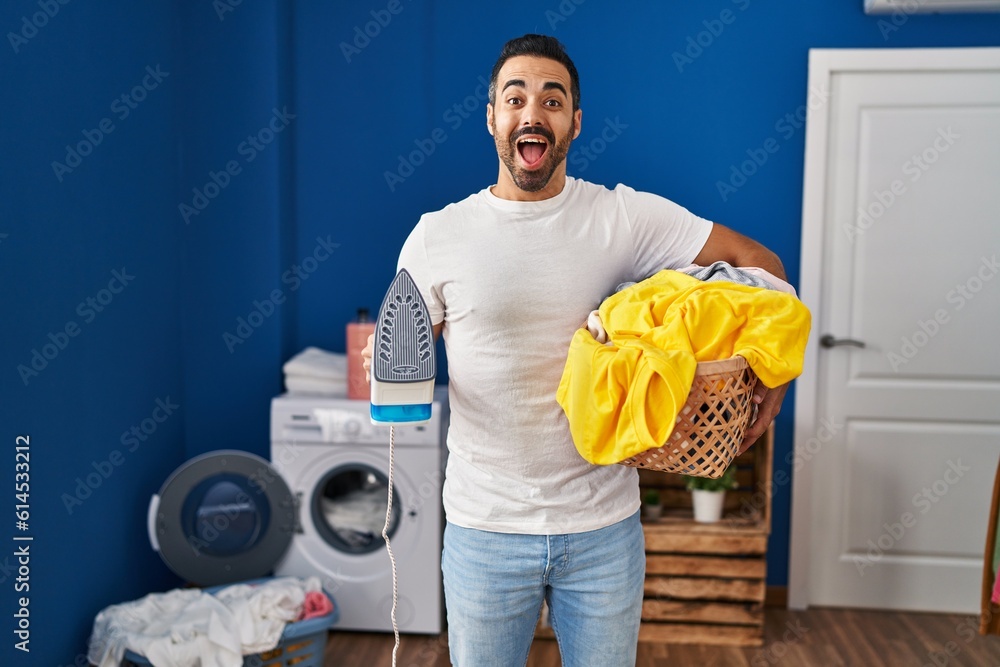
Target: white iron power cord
{"points": [[388, 548]]}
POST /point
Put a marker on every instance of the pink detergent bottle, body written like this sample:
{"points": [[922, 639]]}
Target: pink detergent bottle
{"points": [[357, 337]]}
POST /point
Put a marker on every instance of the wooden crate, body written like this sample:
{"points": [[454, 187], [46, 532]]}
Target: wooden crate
{"points": [[705, 583]]}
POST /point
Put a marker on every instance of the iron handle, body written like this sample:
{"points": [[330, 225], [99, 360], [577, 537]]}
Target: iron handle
{"points": [[828, 341]]}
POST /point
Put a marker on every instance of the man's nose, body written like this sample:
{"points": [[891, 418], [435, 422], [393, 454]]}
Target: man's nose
{"points": [[531, 114]]}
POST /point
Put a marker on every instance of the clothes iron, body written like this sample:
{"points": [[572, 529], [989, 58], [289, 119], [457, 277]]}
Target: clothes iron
{"points": [[404, 364]]}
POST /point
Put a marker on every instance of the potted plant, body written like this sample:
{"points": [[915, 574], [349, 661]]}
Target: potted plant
{"points": [[651, 505], [708, 495]]}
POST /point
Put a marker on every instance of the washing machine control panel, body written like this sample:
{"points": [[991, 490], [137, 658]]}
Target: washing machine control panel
{"points": [[341, 421]]}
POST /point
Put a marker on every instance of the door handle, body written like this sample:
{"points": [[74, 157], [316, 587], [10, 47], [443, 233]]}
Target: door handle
{"points": [[828, 341]]}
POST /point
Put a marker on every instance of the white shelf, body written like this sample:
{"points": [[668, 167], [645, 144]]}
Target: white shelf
{"points": [[930, 6]]}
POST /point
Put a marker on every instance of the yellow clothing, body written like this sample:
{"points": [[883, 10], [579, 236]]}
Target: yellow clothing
{"points": [[623, 398]]}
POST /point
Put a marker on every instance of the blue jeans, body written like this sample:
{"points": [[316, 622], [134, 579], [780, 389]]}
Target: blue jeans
{"points": [[494, 584]]}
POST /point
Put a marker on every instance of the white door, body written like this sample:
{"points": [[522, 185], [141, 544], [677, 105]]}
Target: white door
{"points": [[897, 442]]}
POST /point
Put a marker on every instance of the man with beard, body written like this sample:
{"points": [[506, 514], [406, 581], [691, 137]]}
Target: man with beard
{"points": [[508, 275]]}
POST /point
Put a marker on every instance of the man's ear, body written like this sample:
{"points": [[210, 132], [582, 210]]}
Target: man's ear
{"points": [[577, 120], [489, 118]]}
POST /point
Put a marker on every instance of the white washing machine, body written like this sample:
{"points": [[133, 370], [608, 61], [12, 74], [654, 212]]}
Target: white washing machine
{"points": [[336, 464]]}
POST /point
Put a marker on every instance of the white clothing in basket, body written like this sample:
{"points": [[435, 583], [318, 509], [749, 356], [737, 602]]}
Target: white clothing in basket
{"points": [[192, 628]]}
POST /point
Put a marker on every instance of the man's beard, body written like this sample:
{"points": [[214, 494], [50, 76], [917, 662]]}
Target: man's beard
{"points": [[537, 179]]}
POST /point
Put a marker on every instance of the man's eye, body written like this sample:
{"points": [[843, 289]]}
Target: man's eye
{"points": [[513, 100], [553, 103]]}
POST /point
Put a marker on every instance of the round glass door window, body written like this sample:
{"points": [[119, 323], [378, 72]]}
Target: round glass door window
{"points": [[349, 506], [221, 516]]}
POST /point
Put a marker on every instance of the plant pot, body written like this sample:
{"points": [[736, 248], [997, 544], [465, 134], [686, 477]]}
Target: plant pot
{"points": [[652, 512], [707, 505]]}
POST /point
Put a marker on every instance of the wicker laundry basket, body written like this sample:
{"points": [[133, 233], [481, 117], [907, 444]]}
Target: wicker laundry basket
{"points": [[710, 426]]}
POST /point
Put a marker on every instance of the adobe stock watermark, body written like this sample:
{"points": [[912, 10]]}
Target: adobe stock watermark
{"points": [[454, 117], [210, 527], [786, 127], [7, 569], [582, 155], [362, 37], [924, 501], [88, 310], [263, 309], [31, 25], [223, 7], [101, 471], [958, 297], [915, 167], [751, 507], [214, 522], [431, 651], [699, 43], [429, 489], [121, 107], [128, 617], [248, 149], [774, 653], [967, 630], [902, 10], [561, 13], [282, 458]]}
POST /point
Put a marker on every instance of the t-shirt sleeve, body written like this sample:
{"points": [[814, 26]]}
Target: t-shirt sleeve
{"points": [[665, 235], [413, 258]]}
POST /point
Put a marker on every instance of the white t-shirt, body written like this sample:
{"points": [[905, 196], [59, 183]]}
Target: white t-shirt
{"points": [[512, 281]]}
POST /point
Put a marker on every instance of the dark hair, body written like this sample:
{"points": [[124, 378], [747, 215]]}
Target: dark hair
{"points": [[539, 46]]}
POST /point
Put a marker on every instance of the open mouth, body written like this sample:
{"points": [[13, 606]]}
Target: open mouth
{"points": [[532, 149]]}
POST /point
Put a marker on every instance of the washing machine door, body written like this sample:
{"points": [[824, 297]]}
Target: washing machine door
{"points": [[222, 517], [349, 506]]}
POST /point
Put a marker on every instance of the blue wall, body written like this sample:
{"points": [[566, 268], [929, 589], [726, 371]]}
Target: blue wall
{"points": [[63, 242], [315, 189]]}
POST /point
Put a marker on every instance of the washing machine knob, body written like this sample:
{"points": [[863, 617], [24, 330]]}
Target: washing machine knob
{"points": [[352, 427]]}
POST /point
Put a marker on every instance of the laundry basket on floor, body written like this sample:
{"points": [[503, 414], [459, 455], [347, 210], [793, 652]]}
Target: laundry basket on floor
{"points": [[302, 644], [710, 426]]}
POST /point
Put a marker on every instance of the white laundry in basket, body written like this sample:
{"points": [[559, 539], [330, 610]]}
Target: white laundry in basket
{"points": [[191, 628], [261, 612]]}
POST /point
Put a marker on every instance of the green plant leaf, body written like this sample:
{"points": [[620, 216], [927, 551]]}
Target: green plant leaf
{"points": [[725, 482]]}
